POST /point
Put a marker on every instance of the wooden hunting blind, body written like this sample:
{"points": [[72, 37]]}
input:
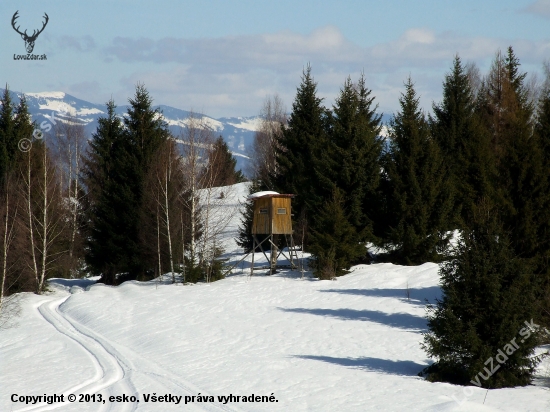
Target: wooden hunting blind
{"points": [[272, 223], [273, 217]]}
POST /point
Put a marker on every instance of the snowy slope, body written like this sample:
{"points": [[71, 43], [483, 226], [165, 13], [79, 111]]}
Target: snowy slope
{"points": [[345, 345]]}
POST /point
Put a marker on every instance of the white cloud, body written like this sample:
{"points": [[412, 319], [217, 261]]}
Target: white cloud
{"points": [[419, 36], [321, 40]]}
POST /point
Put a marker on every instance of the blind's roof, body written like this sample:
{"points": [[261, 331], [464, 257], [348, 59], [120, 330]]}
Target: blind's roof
{"points": [[267, 193]]}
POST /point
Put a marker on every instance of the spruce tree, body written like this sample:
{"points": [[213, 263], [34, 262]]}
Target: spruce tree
{"points": [[301, 145], [418, 194], [145, 128], [221, 166], [542, 137], [111, 232], [371, 124], [144, 133], [353, 158], [23, 128], [335, 243], [515, 77], [488, 298], [351, 172], [522, 180], [463, 143]]}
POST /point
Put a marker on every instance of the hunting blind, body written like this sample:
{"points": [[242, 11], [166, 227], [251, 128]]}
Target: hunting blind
{"points": [[272, 215], [273, 219]]}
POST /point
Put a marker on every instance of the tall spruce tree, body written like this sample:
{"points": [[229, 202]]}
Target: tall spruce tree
{"points": [[144, 134], [371, 123], [353, 158], [418, 194], [522, 182], [488, 298], [351, 171], [111, 228], [300, 148], [464, 144], [522, 172]]}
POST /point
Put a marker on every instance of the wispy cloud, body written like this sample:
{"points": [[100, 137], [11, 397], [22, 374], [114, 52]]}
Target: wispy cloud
{"points": [[326, 46], [81, 44], [539, 7], [234, 52]]}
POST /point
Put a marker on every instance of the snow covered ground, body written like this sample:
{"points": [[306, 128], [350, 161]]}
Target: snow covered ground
{"points": [[345, 345]]}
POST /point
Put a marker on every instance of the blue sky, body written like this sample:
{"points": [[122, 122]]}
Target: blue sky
{"points": [[223, 58]]}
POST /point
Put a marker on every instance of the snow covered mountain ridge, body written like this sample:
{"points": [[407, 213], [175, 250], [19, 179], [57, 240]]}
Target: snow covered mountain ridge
{"points": [[238, 132]]}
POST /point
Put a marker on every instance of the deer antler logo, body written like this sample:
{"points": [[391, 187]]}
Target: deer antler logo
{"points": [[29, 40]]}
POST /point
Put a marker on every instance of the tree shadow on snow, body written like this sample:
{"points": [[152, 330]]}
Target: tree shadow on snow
{"points": [[68, 283], [398, 320], [406, 368], [416, 296]]}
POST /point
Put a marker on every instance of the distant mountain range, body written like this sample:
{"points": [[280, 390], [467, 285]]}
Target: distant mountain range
{"points": [[238, 132]]}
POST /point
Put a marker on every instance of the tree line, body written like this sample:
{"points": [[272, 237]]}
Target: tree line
{"points": [[132, 202], [477, 167]]}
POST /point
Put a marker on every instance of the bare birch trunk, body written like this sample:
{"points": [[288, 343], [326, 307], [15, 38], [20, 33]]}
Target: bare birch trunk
{"points": [[158, 244], [74, 203], [193, 202], [44, 225], [168, 233], [30, 214]]}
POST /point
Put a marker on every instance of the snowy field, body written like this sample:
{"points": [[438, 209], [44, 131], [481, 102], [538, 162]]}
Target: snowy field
{"points": [[301, 344]]}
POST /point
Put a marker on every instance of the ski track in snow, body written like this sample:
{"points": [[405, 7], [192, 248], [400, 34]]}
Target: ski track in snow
{"points": [[115, 372]]}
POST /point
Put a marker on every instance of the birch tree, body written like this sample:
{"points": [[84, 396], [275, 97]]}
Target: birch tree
{"points": [[195, 138], [208, 217], [266, 140], [44, 222], [165, 182]]}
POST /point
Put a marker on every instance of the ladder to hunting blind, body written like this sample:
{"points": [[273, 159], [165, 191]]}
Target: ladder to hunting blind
{"points": [[294, 260]]}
